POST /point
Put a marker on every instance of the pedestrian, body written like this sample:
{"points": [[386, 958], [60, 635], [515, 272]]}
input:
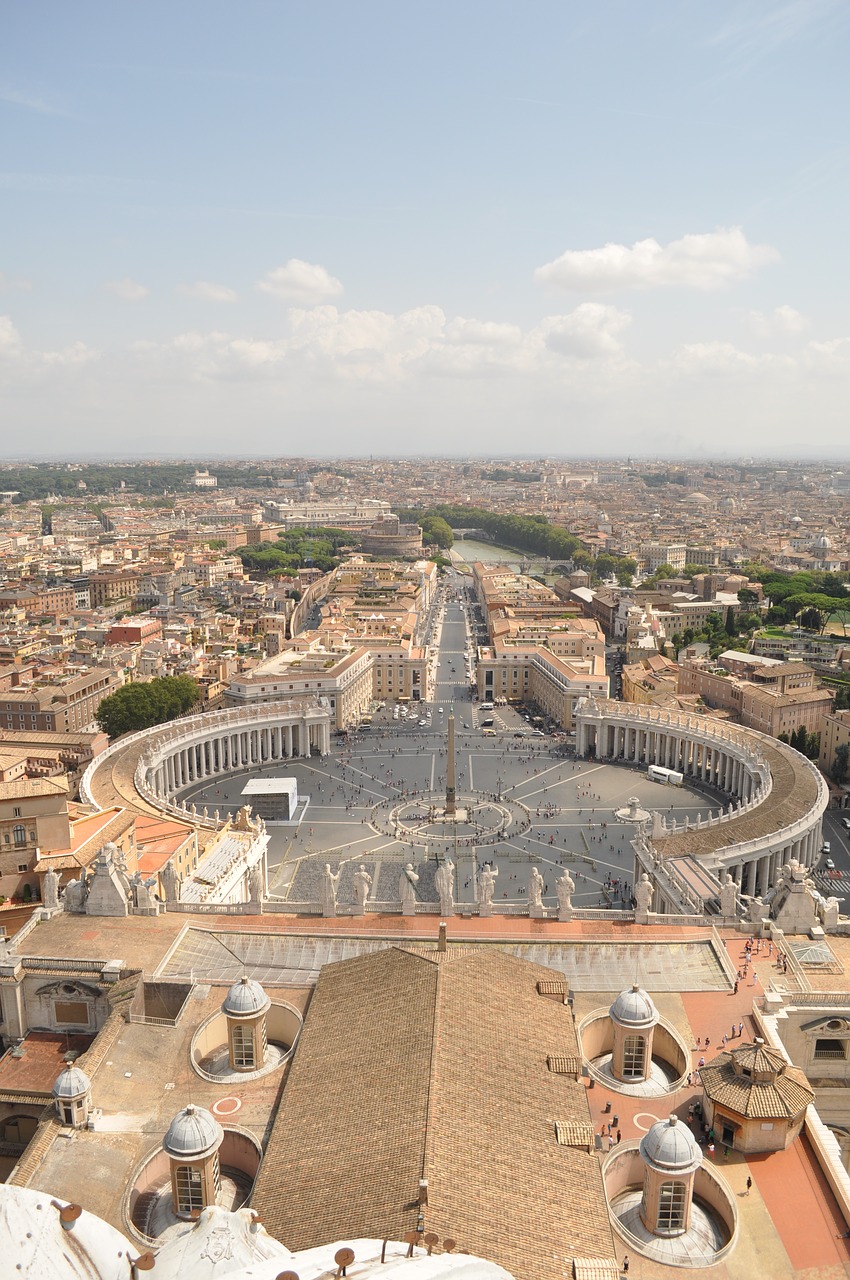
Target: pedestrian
{"points": [[619, 1137], [610, 1142], [735, 991], [749, 1184], [740, 1028], [626, 1265]]}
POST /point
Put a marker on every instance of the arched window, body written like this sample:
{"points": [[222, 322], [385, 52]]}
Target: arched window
{"points": [[19, 834], [671, 1206], [634, 1053]]}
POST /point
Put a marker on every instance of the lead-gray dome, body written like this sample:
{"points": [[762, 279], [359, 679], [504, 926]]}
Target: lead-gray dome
{"points": [[634, 1008], [244, 999], [192, 1133], [670, 1147], [71, 1083]]}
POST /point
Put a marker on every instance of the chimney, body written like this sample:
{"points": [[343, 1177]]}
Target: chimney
{"points": [[441, 936]]}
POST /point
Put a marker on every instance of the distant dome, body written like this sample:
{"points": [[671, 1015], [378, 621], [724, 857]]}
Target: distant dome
{"points": [[670, 1147], [700, 498], [72, 1083], [797, 520], [634, 1008], [822, 543], [244, 999], [728, 503], [193, 1132]]}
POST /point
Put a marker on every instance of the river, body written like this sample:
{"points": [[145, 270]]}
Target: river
{"points": [[467, 550]]}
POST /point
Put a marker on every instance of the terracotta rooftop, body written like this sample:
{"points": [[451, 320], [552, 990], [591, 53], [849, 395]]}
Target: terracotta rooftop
{"points": [[41, 1062], [418, 1063], [784, 1094]]}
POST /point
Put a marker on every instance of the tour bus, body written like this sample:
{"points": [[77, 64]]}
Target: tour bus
{"points": [[656, 773]]}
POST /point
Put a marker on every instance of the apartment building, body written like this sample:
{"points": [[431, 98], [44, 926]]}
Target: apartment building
{"points": [[65, 706], [306, 667], [834, 733]]}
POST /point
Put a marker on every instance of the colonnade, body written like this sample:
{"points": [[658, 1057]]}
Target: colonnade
{"points": [[727, 758], [721, 765], [232, 748]]}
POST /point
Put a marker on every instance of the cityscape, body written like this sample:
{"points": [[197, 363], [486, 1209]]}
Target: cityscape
{"points": [[424, 642]]}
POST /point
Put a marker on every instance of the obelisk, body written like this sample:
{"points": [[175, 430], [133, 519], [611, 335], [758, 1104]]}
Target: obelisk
{"points": [[450, 768]]}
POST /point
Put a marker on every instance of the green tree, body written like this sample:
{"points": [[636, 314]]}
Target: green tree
{"points": [[839, 768], [138, 706], [437, 532], [731, 627]]}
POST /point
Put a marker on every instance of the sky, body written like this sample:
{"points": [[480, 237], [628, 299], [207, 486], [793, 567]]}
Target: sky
{"points": [[478, 228]]}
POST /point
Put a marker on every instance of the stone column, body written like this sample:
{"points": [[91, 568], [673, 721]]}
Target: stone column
{"points": [[289, 741]]}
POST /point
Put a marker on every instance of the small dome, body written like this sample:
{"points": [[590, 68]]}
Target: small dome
{"points": [[72, 1083], [822, 543], [670, 1147], [245, 998], [193, 1132], [634, 1008]]}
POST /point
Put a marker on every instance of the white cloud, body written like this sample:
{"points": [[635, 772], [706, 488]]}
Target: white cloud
{"points": [[486, 333], [724, 358], [588, 333], [208, 291], [10, 339], [127, 289], [708, 261], [303, 282], [7, 283], [29, 103], [782, 320]]}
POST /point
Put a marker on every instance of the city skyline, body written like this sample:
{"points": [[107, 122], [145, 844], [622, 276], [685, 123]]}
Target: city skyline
{"points": [[376, 231]]}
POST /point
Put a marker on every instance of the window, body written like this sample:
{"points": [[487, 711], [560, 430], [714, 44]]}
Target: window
{"points": [[189, 1187], [242, 1039], [23, 866], [830, 1049], [71, 1013], [633, 1057], [671, 1206], [19, 834], [16, 813]]}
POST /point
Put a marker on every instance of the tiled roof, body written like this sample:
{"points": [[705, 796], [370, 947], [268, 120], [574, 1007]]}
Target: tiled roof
{"points": [[416, 1063], [784, 1096]]}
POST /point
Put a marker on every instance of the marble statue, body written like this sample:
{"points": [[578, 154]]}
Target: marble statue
{"points": [[170, 883], [535, 888], [143, 899], [756, 910], [51, 889], [644, 894], [566, 887], [76, 892], [330, 883], [255, 882], [407, 883], [729, 897], [444, 881], [487, 885], [362, 885]]}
